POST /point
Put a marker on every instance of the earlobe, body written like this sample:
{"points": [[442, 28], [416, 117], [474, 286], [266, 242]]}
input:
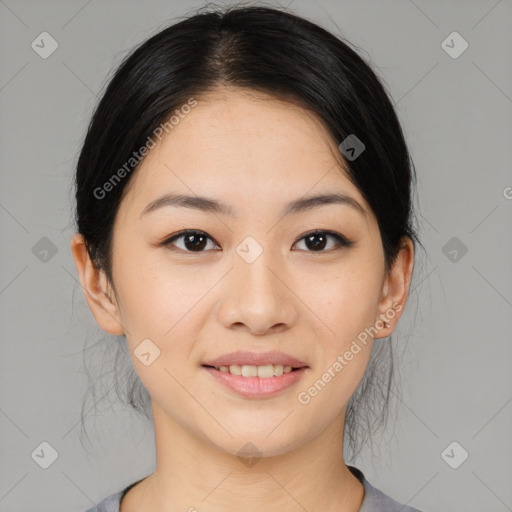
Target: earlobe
{"points": [[396, 288], [98, 293]]}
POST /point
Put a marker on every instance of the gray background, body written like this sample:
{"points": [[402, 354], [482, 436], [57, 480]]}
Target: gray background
{"points": [[456, 383]]}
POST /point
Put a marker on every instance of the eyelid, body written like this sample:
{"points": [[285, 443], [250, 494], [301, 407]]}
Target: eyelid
{"points": [[168, 240], [342, 240]]}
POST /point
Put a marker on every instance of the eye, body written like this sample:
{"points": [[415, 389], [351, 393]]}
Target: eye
{"points": [[318, 240], [193, 240]]}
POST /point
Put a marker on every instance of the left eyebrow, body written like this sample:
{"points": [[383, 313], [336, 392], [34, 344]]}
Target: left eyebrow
{"points": [[311, 202], [207, 204]]}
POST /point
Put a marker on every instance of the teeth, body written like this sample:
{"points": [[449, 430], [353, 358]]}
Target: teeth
{"points": [[265, 372]]}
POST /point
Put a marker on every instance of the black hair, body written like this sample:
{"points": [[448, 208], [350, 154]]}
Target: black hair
{"points": [[272, 51]]}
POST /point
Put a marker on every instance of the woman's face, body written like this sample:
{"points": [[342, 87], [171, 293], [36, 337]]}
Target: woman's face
{"points": [[254, 282]]}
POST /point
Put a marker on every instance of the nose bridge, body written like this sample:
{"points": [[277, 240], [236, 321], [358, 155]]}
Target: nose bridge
{"points": [[252, 272], [256, 295]]}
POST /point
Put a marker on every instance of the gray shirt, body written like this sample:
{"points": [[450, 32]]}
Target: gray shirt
{"points": [[374, 499]]}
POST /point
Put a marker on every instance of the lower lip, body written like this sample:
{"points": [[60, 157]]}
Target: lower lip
{"points": [[257, 387]]}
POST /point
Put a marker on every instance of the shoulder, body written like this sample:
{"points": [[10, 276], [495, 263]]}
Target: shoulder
{"points": [[374, 499], [377, 501], [109, 504]]}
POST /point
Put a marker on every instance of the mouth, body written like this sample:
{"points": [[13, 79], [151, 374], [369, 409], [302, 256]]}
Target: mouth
{"points": [[256, 382], [254, 375], [264, 371]]}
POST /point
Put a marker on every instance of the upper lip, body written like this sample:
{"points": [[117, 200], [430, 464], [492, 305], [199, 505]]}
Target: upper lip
{"points": [[255, 359]]}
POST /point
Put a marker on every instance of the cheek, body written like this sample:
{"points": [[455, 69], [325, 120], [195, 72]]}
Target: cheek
{"points": [[344, 300], [155, 294], [345, 303]]}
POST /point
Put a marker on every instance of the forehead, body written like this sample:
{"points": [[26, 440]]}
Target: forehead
{"points": [[246, 148]]}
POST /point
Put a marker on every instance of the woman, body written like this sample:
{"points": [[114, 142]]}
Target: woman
{"points": [[245, 221]]}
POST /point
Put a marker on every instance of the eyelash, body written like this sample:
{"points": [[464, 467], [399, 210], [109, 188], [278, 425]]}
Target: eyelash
{"points": [[342, 241]]}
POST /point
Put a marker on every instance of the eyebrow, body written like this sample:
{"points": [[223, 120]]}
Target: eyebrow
{"points": [[212, 205]]}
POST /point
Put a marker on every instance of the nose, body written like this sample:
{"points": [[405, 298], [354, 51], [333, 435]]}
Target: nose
{"points": [[256, 297]]}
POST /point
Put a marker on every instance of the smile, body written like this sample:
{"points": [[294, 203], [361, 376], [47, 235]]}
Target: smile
{"points": [[256, 381], [265, 371]]}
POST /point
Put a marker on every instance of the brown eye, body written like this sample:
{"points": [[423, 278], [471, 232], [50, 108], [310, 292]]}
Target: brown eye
{"points": [[317, 241], [192, 241]]}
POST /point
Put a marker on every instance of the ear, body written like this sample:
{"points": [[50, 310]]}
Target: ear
{"points": [[98, 292], [396, 288]]}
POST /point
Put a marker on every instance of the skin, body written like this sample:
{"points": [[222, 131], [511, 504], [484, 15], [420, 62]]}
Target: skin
{"points": [[256, 154]]}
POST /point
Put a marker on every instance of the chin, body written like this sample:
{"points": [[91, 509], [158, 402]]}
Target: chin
{"points": [[252, 444]]}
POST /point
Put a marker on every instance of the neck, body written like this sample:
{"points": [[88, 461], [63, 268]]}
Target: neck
{"points": [[193, 474]]}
